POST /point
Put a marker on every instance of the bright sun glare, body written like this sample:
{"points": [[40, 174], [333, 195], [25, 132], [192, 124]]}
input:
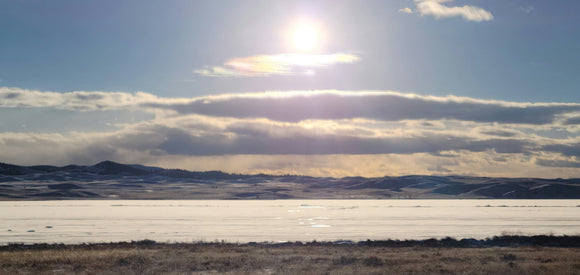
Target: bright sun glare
{"points": [[305, 37]]}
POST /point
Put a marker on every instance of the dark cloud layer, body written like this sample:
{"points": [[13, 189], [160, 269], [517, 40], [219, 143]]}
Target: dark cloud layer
{"points": [[558, 163], [569, 150], [500, 133], [380, 106], [253, 141], [572, 121]]}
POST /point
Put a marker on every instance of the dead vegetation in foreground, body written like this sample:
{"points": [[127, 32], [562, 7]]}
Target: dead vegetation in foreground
{"points": [[295, 258]]}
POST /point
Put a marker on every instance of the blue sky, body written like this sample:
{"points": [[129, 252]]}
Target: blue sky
{"points": [[193, 83]]}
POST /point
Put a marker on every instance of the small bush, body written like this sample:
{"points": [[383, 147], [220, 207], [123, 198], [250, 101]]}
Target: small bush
{"points": [[509, 257], [345, 260], [373, 261]]}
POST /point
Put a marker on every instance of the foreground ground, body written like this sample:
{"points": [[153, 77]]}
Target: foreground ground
{"points": [[296, 258]]}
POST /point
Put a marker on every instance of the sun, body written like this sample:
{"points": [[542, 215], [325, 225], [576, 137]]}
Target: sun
{"points": [[305, 37]]}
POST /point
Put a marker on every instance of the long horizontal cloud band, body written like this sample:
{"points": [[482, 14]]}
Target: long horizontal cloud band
{"points": [[180, 142], [386, 106], [298, 106]]}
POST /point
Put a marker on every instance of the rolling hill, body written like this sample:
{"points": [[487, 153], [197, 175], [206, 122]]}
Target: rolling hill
{"points": [[111, 180]]}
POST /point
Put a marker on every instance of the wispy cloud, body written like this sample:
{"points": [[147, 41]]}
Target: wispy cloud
{"points": [[527, 9], [78, 101], [280, 64], [438, 9]]}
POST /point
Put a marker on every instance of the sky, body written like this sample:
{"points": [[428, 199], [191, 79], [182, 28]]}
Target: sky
{"points": [[322, 88]]}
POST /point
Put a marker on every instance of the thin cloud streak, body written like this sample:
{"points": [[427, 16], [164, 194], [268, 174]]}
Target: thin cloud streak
{"points": [[280, 64], [76, 101]]}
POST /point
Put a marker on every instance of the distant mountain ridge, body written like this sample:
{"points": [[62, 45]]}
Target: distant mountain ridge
{"points": [[107, 167], [110, 179]]}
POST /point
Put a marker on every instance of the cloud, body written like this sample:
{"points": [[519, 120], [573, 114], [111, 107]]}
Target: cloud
{"points": [[307, 105], [56, 148], [206, 136], [237, 145], [238, 140], [527, 9], [558, 163], [315, 133], [567, 149], [436, 9], [387, 106], [201, 136], [78, 101], [501, 132], [280, 64], [406, 10], [572, 121], [38, 119]]}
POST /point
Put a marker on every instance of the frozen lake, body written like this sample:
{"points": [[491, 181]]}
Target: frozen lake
{"points": [[280, 220]]}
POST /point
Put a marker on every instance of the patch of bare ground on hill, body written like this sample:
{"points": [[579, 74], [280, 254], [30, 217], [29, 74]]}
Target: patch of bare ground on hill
{"points": [[294, 258]]}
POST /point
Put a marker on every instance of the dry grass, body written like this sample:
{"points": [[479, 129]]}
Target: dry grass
{"points": [[287, 259]]}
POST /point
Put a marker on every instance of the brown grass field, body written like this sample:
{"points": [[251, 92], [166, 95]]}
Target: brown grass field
{"points": [[294, 258]]}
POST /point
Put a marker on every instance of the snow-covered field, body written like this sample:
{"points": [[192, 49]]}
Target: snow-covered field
{"points": [[280, 220]]}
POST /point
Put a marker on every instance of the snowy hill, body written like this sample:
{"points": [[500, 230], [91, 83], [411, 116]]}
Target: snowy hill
{"points": [[111, 180]]}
